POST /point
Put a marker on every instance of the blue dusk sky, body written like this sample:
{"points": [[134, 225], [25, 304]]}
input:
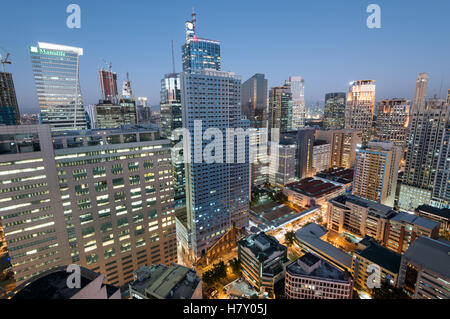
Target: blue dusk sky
{"points": [[325, 42]]}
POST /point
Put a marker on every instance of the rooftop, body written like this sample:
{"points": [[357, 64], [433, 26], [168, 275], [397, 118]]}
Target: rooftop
{"points": [[340, 175], [313, 187], [311, 234], [381, 256], [166, 282], [321, 268], [442, 212], [263, 246], [53, 285], [379, 209], [432, 254], [415, 220]]}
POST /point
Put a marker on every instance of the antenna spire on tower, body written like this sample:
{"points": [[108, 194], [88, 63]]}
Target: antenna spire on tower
{"points": [[194, 18], [173, 59]]}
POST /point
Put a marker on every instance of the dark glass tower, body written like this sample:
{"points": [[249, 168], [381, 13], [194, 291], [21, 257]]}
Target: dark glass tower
{"points": [[254, 100], [9, 109], [334, 111]]}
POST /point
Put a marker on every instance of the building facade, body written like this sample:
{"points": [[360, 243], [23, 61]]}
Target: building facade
{"points": [[334, 111], [360, 107], [311, 277], [102, 199], [56, 71], [321, 156], [392, 120], [108, 85], [376, 172], [303, 139]]}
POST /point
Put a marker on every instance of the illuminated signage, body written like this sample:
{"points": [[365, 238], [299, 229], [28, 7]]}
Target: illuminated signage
{"points": [[47, 52]]}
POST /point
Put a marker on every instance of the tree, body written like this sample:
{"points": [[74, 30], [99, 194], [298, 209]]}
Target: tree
{"points": [[289, 238], [235, 265], [387, 291]]}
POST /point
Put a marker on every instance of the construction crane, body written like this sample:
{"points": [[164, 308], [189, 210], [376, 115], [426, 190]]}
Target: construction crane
{"points": [[4, 61], [108, 64]]}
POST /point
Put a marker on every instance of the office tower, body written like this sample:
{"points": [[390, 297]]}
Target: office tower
{"points": [[376, 172], [9, 109], [56, 71], [217, 194], [334, 111], [109, 115], [198, 53], [171, 120], [426, 133], [311, 277], [144, 111], [392, 119], [101, 199], [370, 259], [360, 107], [282, 164], [420, 92], [359, 216], [405, 228], [280, 108], [304, 141], [170, 107], [297, 85], [166, 282], [263, 261], [321, 156], [441, 189], [108, 85], [424, 270], [52, 284], [343, 146], [254, 100], [254, 107], [90, 116], [440, 215]]}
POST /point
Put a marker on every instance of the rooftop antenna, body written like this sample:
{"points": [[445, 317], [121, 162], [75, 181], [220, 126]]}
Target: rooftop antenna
{"points": [[194, 19], [173, 59]]}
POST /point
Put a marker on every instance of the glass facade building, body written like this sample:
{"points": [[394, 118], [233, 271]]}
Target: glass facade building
{"points": [[334, 111], [56, 75], [9, 109]]}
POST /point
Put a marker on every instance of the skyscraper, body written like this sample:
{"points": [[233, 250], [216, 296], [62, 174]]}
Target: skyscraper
{"points": [[376, 172], [297, 85], [360, 107], [170, 106], [441, 188], [199, 53], [280, 108], [56, 75], [254, 100], [171, 120], [334, 111], [99, 199], [254, 107], [108, 85], [426, 133], [9, 109], [420, 92], [343, 146], [303, 139], [392, 121], [217, 194]]}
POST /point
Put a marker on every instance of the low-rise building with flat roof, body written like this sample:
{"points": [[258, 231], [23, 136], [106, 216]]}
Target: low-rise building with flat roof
{"points": [[311, 277], [440, 215], [309, 239], [166, 282], [263, 260], [339, 175], [405, 228], [311, 192], [425, 269], [359, 217], [373, 264]]}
